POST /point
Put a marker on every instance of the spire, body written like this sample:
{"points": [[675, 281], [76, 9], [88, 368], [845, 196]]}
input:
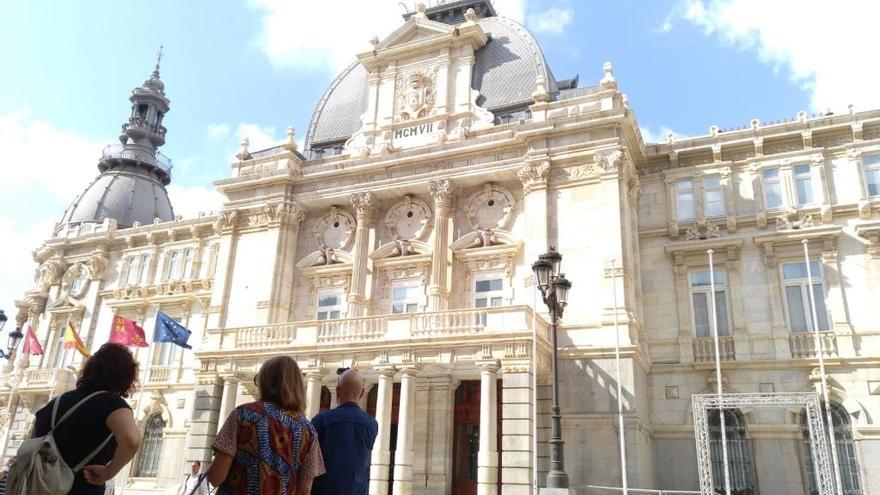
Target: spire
{"points": [[158, 61]]}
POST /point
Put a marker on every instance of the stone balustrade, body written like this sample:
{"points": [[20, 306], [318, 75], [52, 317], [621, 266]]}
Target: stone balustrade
{"points": [[436, 324], [161, 374], [803, 344], [704, 349]]}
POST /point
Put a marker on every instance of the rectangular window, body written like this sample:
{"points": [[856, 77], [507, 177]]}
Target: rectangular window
{"points": [[489, 292], [187, 264], [713, 197], [803, 184], [330, 304], [797, 296], [146, 259], [132, 270], [63, 357], [405, 297], [871, 166], [168, 353], [701, 305], [684, 202], [772, 188], [172, 273]]}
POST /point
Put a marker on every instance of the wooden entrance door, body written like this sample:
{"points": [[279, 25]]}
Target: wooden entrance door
{"points": [[466, 437]]}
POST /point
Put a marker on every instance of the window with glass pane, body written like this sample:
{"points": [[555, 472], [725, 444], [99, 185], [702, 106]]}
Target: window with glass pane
{"points": [[871, 166], [146, 259], [684, 191], [330, 305], [151, 450], [713, 196], [62, 356], [847, 463], [187, 264], [803, 184], [489, 292], [701, 305], [172, 273], [797, 296], [772, 188], [405, 297], [739, 452], [131, 270]]}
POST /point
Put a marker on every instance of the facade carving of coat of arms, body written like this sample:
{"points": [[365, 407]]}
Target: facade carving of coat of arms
{"points": [[415, 95]]}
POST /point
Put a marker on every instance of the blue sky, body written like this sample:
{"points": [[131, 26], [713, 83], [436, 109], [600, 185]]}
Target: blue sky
{"points": [[235, 68]]}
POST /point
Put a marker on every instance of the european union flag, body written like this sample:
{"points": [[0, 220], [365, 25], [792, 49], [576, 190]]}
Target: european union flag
{"points": [[168, 330]]}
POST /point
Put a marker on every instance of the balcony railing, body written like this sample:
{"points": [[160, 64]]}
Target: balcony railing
{"points": [[160, 374], [803, 344], [118, 151], [439, 324], [704, 349]]}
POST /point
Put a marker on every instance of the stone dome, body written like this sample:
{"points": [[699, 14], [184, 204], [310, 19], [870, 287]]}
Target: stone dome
{"points": [[127, 194], [505, 72]]}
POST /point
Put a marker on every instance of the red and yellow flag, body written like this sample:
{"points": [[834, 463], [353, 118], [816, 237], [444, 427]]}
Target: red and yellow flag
{"points": [[127, 332], [72, 340]]}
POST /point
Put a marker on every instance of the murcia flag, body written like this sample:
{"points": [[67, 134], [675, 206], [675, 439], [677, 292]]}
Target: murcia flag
{"points": [[31, 344], [168, 330], [72, 340], [127, 332]]}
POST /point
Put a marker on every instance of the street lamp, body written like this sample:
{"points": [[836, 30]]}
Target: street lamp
{"points": [[14, 337], [554, 290]]}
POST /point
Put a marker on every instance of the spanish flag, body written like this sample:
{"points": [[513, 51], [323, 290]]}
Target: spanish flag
{"points": [[72, 340]]}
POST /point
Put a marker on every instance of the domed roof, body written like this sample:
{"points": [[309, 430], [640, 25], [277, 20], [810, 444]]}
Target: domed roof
{"points": [[128, 194], [505, 72]]}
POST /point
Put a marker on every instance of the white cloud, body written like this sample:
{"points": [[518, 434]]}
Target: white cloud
{"points": [[298, 35], [218, 131], [26, 143], [653, 137], [189, 201], [261, 137], [16, 262], [825, 47], [553, 20]]}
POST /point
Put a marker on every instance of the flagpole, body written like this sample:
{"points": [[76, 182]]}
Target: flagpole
{"points": [[820, 354], [534, 399], [720, 390], [622, 436]]}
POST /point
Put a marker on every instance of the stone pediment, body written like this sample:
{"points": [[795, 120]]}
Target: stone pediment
{"points": [[414, 31]]}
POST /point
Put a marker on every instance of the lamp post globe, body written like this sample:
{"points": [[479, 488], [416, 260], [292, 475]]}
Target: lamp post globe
{"points": [[13, 340], [3, 319]]}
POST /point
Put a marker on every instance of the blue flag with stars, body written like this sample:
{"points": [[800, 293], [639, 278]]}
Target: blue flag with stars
{"points": [[168, 330]]}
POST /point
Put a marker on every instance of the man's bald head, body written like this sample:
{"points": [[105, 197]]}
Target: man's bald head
{"points": [[349, 386]]}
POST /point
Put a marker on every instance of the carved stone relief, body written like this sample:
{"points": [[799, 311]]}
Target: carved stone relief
{"points": [[409, 219], [490, 208], [335, 229], [415, 94]]}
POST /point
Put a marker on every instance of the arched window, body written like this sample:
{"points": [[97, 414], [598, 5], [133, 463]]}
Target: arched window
{"points": [[846, 452], [739, 452], [151, 451]]}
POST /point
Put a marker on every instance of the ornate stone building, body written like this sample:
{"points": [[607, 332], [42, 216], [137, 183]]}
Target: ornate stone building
{"points": [[436, 168]]}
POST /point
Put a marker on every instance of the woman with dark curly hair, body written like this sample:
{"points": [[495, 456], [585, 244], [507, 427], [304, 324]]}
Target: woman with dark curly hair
{"points": [[102, 426]]}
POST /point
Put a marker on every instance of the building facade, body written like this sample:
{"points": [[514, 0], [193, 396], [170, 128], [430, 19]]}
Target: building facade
{"points": [[436, 168]]}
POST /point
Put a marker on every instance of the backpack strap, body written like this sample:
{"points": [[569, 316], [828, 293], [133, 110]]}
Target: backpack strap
{"points": [[92, 454], [69, 411]]}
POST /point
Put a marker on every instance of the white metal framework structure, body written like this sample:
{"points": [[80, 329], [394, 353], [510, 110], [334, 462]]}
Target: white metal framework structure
{"points": [[809, 401]]}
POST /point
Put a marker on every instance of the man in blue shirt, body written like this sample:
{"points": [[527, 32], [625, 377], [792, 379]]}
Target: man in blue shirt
{"points": [[346, 435]]}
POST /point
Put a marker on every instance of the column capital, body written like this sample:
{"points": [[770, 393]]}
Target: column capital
{"points": [[314, 373], [386, 370], [534, 175], [364, 204], [410, 370], [488, 365], [444, 192]]}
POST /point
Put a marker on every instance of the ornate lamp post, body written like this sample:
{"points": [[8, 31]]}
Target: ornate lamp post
{"points": [[554, 290], [14, 337]]}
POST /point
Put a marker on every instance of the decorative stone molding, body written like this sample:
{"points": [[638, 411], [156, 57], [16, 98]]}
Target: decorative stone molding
{"points": [[335, 230], [75, 282], [227, 221], [408, 220], [702, 229], [871, 232], [792, 219], [97, 264], [364, 204], [415, 95], [534, 175], [443, 191], [49, 274], [490, 208]]}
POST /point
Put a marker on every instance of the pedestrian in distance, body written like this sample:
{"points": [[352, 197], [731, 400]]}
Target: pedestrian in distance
{"points": [[268, 446], [195, 483], [346, 434], [92, 425]]}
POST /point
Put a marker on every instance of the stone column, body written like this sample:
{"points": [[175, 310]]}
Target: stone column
{"points": [[288, 217], [444, 192], [226, 226], [381, 455], [333, 398], [313, 393], [227, 403], [365, 205], [203, 421], [534, 176], [403, 453], [487, 457], [516, 428]]}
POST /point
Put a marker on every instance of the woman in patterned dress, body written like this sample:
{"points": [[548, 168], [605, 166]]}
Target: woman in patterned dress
{"points": [[268, 447]]}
